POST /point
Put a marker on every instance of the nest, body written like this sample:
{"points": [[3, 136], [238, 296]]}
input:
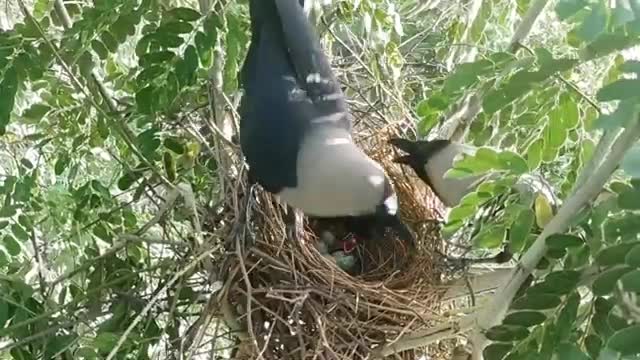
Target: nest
{"points": [[291, 302]]}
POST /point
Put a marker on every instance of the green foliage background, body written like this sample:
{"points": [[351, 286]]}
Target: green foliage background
{"points": [[106, 107]]}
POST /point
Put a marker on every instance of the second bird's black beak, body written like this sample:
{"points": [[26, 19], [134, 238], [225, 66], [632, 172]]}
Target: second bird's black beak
{"points": [[404, 159]]}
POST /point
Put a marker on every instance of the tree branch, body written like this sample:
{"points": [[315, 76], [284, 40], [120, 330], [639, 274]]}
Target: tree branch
{"points": [[456, 124], [496, 309]]}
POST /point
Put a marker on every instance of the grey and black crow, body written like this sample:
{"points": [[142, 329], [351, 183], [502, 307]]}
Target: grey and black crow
{"points": [[295, 127]]}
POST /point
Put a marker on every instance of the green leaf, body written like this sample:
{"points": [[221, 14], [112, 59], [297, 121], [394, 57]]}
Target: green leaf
{"points": [[608, 43], [157, 57], [100, 49], [507, 333], [25, 222], [555, 134], [56, 344], [623, 114], [36, 112], [520, 229], [13, 247], [149, 74], [614, 255], [569, 351], [631, 164], [534, 154], [19, 232], [631, 281], [125, 182], [567, 8], [622, 89], [496, 351], [183, 13], [86, 353], [169, 166], [205, 51], [548, 287], [629, 199], [567, 279], [61, 163], [490, 237], [8, 89], [145, 100], [536, 302], [185, 69], [466, 75], [563, 241], [8, 211], [168, 40], [102, 232], [626, 341], [110, 41], [513, 162], [633, 257], [105, 341], [593, 344], [176, 27], [595, 23], [631, 66], [4, 313], [524, 318], [567, 317], [605, 283], [174, 145]]}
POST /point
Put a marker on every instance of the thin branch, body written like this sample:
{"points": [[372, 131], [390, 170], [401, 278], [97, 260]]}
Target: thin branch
{"points": [[527, 24], [477, 284], [425, 337], [599, 154], [455, 126], [155, 298]]}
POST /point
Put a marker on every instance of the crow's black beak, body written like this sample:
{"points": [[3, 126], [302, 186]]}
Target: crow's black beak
{"points": [[405, 145], [405, 159]]}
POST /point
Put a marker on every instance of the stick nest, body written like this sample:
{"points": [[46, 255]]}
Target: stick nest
{"points": [[290, 302]]}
